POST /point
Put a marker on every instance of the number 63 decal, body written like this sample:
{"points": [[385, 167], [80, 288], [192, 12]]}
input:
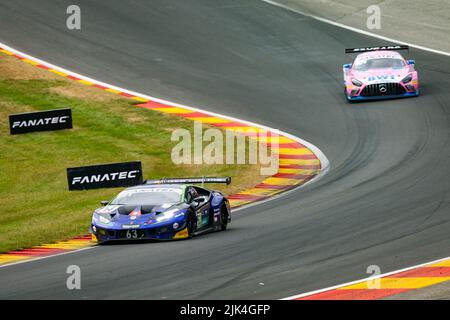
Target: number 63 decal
{"points": [[132, 234]]}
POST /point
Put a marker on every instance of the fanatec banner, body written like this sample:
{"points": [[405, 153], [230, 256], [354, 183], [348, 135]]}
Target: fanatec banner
{"points": [[113, 175], [40, 121]]}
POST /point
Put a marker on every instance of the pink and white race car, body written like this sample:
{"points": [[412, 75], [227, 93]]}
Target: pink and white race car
{"points": [[380, 73]]}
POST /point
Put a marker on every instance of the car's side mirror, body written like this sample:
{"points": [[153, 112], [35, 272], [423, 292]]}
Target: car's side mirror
{"points": [[104, 202], [411, 62], [198, 201], [201, 199]]}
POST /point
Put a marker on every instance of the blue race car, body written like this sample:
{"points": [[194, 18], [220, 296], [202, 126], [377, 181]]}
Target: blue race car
{"points": [[163, 209]]}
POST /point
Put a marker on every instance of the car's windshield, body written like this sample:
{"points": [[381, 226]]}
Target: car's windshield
{"points": [[379, 63], [149, 196]]}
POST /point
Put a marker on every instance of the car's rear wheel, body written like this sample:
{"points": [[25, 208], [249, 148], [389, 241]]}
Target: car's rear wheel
{"points": [[224, 216]]}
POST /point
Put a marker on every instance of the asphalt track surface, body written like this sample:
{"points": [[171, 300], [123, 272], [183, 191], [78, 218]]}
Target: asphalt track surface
{"points": [[386, 200]]}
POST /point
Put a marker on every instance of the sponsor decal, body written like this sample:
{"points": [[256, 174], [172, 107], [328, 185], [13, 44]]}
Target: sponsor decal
{"points": [[135, 214], [114, 175], [381, 78], [363, 59], [40, 121], [130, 226], [152, 190], [380, 48]]}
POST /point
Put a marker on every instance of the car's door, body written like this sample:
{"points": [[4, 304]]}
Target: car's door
{"points": [[202, 209], [203, 215]]}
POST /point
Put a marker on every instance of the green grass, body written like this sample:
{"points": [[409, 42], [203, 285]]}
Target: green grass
{"points": [[36, 206]]}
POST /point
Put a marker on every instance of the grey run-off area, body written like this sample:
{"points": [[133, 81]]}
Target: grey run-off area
{"points": [[422, 22], [385, 201]]}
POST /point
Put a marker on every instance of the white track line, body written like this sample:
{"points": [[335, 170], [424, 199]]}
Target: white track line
{"points": [[357, 30], [325, 164], [367, 33]]}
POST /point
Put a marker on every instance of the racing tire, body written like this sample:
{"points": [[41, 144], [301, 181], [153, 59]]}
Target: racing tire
{"points": [[349, 100], [190, 223], [224, 215]]}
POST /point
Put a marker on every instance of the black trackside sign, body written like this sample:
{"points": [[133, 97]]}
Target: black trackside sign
{"points": [[40, 121], [112, 175]]}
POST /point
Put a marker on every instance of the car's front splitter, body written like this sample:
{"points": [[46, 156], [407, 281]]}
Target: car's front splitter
{"points": [[405, 95], [162, 233]]}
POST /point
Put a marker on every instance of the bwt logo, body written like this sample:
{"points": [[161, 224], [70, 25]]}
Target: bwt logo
{"points": [[381, 78], [106, 177], [39, 122]]}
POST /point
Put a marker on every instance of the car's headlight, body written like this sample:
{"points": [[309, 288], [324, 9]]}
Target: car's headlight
{"points": [[357, 83], [407, 79], [167, 215], [104, 220]]}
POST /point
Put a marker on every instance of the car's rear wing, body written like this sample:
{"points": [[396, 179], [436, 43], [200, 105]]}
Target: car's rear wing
{"points": [[201, 180], [381, 48]]}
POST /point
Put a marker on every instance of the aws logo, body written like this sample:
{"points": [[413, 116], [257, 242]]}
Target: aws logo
{"points": [[381, 78]]}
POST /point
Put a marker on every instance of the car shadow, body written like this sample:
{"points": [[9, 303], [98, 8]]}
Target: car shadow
{"points": [[144, 241]]}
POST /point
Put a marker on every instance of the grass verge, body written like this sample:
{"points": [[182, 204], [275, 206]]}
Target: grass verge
{"points": [[36, 206]]}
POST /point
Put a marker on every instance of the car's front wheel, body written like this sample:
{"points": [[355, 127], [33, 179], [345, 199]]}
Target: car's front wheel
{"points": [[224, 217], [191, 223]]}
